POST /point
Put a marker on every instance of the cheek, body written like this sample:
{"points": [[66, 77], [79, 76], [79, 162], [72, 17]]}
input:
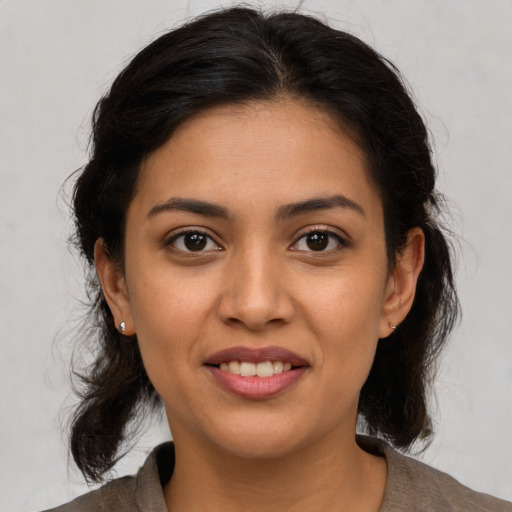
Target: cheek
{"points": [[171, 313], [345, 302], [162, 298], [169, 325], [344, 314]]}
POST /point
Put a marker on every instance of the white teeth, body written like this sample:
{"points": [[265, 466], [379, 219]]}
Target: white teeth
{"points": [[247, 369], [233, 367], [277, 367], [263, 369]]}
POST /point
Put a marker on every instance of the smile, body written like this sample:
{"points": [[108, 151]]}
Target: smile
{"points": [[248, 369], [256, 373]]}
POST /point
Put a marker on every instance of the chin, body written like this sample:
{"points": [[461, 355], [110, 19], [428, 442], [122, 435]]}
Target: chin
{"points": [[262, 439]]}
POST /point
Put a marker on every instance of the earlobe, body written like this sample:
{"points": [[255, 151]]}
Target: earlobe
{"points": [[114, 288], [401, 287]]}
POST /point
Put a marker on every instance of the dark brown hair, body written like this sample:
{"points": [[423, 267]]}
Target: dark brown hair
{"points": [[235, 56]]}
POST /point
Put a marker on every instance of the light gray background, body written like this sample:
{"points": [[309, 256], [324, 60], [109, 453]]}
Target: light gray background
{"points": [[56, 58]]}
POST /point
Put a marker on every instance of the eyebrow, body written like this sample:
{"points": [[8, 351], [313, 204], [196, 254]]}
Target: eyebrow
{"points": [[189, 205], [284, 212], [316, 204]]}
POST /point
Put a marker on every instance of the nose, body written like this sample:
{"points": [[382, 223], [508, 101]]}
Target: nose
{"points": [[255, 293]]}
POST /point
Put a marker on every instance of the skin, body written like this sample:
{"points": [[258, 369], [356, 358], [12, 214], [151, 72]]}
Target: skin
{"points": [[258, 283]]}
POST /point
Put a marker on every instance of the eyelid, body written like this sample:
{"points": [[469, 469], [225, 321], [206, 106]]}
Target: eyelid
{"points": [[342, 238], [179, 232]]}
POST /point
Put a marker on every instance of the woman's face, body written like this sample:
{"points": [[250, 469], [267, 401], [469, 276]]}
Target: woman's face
{"points": [[255, 236]]}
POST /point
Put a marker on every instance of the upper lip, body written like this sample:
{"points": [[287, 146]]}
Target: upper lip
{"points": [[256, 355]]}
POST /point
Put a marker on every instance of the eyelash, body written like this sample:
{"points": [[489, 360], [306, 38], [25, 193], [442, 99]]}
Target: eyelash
{"points": [[341, 242], [171, 242]]}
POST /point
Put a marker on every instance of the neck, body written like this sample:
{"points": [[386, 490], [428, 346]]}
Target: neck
{"points": [[329, 476]]}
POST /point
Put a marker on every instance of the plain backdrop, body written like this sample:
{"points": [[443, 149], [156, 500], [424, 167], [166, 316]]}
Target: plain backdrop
{"points": [[58, 56]]}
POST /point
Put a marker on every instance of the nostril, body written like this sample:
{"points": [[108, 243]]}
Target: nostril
{"points": [[253, 297]]}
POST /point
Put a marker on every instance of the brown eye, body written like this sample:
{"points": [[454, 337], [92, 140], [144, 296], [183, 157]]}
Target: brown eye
{"points": [[193, 241], [319, 241]]}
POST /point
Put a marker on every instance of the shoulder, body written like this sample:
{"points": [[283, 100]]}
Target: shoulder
{"points": [[118, 494], [412, 485], [142, 492]]}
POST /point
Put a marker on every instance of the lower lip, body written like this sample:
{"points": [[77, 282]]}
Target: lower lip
{"points": [[257, 388]]}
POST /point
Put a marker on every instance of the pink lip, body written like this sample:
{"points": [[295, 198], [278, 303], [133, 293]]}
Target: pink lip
{"points": [[256, 388], [257, 355]]}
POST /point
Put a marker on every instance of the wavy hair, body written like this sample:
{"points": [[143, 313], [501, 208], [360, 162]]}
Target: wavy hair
{"points": [[235, 56]]}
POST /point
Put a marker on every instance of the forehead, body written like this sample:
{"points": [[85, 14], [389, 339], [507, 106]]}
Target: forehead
{"points": [[267, 153]]}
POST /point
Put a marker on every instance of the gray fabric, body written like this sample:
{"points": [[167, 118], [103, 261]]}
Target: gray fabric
{"points": [[414, 486], [411, 487]]}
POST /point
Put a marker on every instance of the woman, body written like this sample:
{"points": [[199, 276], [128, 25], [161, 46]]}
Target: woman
{"points": [[260, 210]]}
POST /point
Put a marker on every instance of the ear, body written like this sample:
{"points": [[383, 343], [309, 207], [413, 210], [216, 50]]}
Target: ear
{"points": [[114, 288], [401, 286]]}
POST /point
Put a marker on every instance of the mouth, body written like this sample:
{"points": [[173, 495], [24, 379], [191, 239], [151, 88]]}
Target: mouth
{"points": [[256, 373], [247, 369]]}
